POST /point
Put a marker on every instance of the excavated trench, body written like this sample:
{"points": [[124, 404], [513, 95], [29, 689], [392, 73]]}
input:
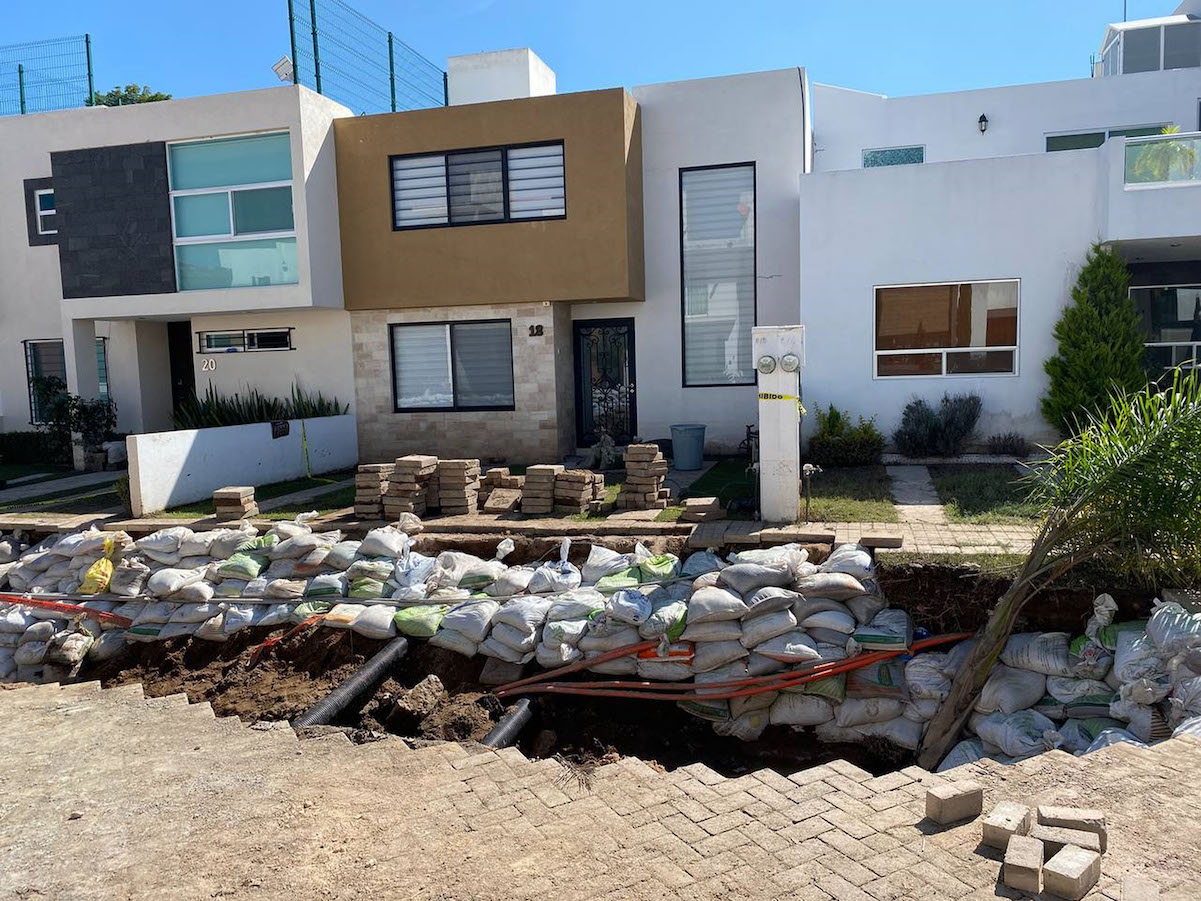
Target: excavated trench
{"points": [[299, 670]]}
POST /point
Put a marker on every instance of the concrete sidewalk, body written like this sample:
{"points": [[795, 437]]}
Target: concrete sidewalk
{"points": [[58, 486]]}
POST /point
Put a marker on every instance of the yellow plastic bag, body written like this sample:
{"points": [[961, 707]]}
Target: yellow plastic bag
{"points": [[100, 573]]}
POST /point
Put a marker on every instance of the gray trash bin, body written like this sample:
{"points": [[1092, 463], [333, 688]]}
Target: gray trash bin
{"points": [[688, 445]]}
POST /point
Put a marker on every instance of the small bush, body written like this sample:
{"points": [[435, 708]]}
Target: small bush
{"points": [[217, 409], [30, 447], [1010, 444], [926, 432], [839, 442]]}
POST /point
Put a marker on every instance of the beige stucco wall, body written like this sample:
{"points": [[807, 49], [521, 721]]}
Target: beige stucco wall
{"points": [[538, 430]]}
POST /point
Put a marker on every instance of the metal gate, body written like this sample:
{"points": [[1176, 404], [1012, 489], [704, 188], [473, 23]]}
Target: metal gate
{"points": [[604, 380]]}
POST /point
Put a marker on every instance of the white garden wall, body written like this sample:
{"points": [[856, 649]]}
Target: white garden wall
{"points": [[167, 469]]}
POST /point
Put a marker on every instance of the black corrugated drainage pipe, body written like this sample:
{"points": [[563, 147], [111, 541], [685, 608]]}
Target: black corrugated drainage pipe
{"points": [[355, 691], [505, 732]]}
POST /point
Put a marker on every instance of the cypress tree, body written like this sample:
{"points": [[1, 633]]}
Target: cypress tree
{"points": [[1100, 343]]}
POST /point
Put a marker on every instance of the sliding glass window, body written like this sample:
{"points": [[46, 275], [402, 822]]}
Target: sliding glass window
{"points": [[717, 266], [961, 328], [452, 366], [231, 205], [1171, 321]]}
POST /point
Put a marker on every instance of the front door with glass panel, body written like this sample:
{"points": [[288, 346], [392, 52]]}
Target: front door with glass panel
{"points": [[604, 380]]}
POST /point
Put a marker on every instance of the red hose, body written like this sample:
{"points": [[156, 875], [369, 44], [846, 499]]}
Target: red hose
{"points": [[73, 609]]}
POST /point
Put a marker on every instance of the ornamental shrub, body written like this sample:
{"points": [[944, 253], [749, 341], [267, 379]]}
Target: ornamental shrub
{"points": [[841, 442]]}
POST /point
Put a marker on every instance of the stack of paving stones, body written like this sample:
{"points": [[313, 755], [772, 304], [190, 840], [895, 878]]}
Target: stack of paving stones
{"points": [[1050, 849], [370, 483], [701, 509], [576, 489], [538, 492], [458, 486], [500, 491], [409, 485], [645, 471], [235, 502]]}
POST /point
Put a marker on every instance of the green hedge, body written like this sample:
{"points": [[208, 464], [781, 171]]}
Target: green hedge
{"points": [[841, 442], [30, 447]]}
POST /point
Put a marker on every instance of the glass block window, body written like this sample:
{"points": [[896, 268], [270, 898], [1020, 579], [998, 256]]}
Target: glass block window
{"points": [[893, 156]]}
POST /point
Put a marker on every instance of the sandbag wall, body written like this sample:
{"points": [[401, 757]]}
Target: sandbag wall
{"points": [[756, 612]]}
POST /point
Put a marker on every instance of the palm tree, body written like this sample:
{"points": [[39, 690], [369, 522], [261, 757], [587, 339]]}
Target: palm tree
{"points": [[1124, 493], [1159, 160]]}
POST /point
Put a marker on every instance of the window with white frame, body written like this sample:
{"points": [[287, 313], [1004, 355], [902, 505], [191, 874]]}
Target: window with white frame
{"points": [[452, 366], [231, 210], [954, 328], [1171, 321], [466, 187], [44, 211], [238, 340], [717, 266], [1085, 139]]}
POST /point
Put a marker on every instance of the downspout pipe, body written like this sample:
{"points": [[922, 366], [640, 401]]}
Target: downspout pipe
{"points": [[355, 691], [505, 732]]}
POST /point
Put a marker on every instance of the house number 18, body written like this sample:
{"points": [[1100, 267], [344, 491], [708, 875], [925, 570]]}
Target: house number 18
{"points": [[208, 364], [536, 331]]}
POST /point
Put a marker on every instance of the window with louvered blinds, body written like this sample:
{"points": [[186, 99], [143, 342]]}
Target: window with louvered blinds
{"points": [[536, 186], [717, 212], [453, 366], [419, 190]]}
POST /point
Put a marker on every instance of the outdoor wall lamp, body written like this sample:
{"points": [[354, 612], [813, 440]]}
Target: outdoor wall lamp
{"points": [[983, 123]]}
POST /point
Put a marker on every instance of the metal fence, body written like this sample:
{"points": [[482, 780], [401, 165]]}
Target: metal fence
{"points": [[339, 52], [46, 75]]}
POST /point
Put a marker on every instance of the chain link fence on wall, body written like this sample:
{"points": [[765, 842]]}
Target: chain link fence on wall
{"points": [[46, 75], [339, 52]]}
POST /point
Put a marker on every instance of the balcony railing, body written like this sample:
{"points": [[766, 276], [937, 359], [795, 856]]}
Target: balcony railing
{"points": [[1163, 160]]}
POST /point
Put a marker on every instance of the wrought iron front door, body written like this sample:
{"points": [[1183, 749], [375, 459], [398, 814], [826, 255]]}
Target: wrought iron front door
{"points": [[604, 380]]}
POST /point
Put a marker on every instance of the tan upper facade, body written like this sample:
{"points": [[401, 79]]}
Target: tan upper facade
{"points": [[592, 252]]}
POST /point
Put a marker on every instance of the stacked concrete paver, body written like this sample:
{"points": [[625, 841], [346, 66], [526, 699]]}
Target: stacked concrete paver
{"points": [[409, 487]]}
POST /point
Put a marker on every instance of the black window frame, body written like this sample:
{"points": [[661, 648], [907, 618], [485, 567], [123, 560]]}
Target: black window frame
{"points": [[29, 376], [202, 350], [32, 187], [456, 407], [504, 171], [755, 269]]}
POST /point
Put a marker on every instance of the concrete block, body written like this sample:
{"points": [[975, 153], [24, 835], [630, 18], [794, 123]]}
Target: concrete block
{"points": [[1082, 818], [954, 801], [1055, 838], [1139, 888], [1007, 819], [1072, 872], [1023, 864]]}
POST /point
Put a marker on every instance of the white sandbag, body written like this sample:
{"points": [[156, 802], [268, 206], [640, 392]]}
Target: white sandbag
{"points": [[705, 580], [664, 669], [628, 606], [1191, 726], [579, 603], [286, 589], [1136, 656], [833, 620], [790, 709], [525, 614], [515, 638], [768, 600], [298, 526], [281, 569], [851, 559], [490, 647], [1173, 629], [196, 593], [744, 578], [901, 731], [699, 563], [159, 612], [921, 710], [747, 726], [709, 604], [668, 617], [1114, 737], [312, 563], [1018, 734], [1041, 652], [1137, 717], [472, 618], [791, 554], [890, 630], [299, 545], [31, 653], [759, 665], [602, 562], [454, 641], [195, 613], [597, 643], [554, 576], [564, 631], [107, 646], [375, 621], [791, 647], [169, 581], [858, 711], [834, 585], [386, 541], [1065, 690], [342, 616], [560, 655], [925, 676], [620, 666], [225, 542], [866, 607], [759, 629], [1185, 700], [511, 582], [16, 619], [761, 701], [967, 751], [712, 654], [164, 542], [717, 630], [341, 555], [238, 617], [1009, 690]]}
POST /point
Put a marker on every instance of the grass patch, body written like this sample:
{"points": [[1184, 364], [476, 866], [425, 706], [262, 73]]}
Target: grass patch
{"points": [[329, 502], [851, 494], [670, 514], [101, 499], [727, 480], [989, 493], [612, 489], [267, 492]]}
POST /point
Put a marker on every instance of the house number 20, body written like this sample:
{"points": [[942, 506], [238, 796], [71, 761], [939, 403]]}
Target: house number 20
{"points": [[536, 331], [208, 364]]}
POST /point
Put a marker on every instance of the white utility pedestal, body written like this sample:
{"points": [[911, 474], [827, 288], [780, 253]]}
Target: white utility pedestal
{"points": [[779, 355]]}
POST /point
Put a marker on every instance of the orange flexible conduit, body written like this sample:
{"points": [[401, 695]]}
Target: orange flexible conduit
{"points": [[687, 691]]}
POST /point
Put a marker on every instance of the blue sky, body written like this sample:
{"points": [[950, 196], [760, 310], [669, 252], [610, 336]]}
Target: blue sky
{"points": [[887, 46]]}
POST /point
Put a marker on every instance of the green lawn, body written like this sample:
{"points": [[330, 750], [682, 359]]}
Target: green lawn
{"points": [[988, 493], [277, 489], [322, 503], [851, 494], [727, 480]]}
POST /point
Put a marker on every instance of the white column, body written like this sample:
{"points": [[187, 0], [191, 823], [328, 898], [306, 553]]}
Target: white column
{"points": [[779, 419], [79, 350]]}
